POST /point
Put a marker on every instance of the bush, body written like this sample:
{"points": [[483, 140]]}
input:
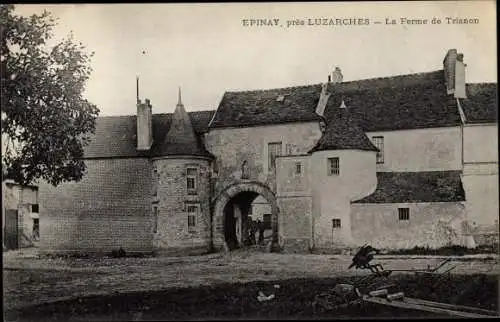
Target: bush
{"points": [[454, 250], [118, 253]]}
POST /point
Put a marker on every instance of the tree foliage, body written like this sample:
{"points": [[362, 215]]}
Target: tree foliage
{"points": [[46, 122]]}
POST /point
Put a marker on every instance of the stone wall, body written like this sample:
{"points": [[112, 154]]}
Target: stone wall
{"points": [[295, 202], [108, 209], [480, 181], [430, 225], [233, 146], [421, 149], [173, 199]]}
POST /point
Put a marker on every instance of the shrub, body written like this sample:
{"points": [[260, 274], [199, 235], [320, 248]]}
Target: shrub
{"points": [[118, 253]]}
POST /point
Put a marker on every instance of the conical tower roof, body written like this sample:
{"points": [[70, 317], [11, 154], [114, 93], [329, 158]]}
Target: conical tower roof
{"points": [[342, 133], [181, 139]]}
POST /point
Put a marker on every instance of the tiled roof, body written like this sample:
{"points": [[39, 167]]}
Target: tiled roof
{"points": [[389, 103], [396, 103], [343, 133], [115, 136], [282, 105], [432, 186], [181, 138], [481, 104]]}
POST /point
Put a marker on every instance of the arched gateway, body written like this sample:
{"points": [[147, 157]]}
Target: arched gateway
{"points": [[242, 194]]}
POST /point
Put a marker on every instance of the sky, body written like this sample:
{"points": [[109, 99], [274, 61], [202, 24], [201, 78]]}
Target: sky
{"points": [[206, 49]]}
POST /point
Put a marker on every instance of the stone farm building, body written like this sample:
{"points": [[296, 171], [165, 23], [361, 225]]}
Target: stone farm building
{"points": [[396, 162]]}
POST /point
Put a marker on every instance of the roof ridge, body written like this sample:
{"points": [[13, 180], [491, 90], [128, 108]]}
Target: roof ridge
{"points": [[264, 90], [134, 115], [348, 82]]}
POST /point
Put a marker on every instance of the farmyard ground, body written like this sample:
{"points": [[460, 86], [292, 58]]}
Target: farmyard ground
{"points": [[218, 286]]}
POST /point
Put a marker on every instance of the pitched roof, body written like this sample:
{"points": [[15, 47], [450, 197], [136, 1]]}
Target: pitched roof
{"points": [[181, 138], [389, 103], [481, 104], [396, 103], [343, 133], [115, 136], [401, 187], [274, 106]]}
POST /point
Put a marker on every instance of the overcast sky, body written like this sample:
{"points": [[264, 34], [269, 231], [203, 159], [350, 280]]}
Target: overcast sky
{"points": [[205, 49]]}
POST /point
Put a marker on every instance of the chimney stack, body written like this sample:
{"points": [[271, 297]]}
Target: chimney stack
{"points": [[337, 76], [329, 79], [144, 125], [454, 73]]}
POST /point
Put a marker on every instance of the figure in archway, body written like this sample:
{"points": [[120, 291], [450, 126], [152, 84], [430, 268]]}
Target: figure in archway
{"points": [[244, 170]]}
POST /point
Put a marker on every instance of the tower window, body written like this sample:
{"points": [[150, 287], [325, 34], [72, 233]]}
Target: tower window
{"points": [[378, 141], [298, 168], [192, 211], [191, 175], [336, 223], [155, 181], [333, 166], [404, 214]]}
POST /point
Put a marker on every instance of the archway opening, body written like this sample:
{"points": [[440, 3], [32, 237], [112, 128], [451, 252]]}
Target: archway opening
{"points": [[240, 213], [247, 218]]}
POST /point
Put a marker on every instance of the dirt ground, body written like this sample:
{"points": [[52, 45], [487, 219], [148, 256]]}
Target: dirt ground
{"points": [[292, 299], [31, 280]]}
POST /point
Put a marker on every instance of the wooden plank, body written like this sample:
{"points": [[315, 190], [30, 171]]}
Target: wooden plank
{"points": [[451, 306], [410, 306]]}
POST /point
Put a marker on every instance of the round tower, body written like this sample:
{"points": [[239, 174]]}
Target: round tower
{"points": [[344, 169], [181, 206]]}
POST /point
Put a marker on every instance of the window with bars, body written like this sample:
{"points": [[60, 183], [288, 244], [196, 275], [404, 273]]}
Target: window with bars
{"points": [[155, 219], [378, 141], [336, 223], [333, 166], [404, 214], [273, 150], [191, 175], [298, 168], [192, 211]]}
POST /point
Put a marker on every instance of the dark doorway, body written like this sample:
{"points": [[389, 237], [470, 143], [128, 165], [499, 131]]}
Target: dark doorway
{"points": [[239, 227], [11, 232]]}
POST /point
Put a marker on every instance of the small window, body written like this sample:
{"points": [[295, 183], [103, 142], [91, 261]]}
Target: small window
{"points": [[155, 181], [404, 213], [378, 141], [34, 208], [155, 219], [333, 166], [192, 211], [298, 168], [336, 223], [191, 175]]}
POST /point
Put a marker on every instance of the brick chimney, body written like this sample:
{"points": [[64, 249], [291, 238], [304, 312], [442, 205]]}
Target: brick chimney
{"points": [[454, 73], [337, 76], [144, 125]]}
